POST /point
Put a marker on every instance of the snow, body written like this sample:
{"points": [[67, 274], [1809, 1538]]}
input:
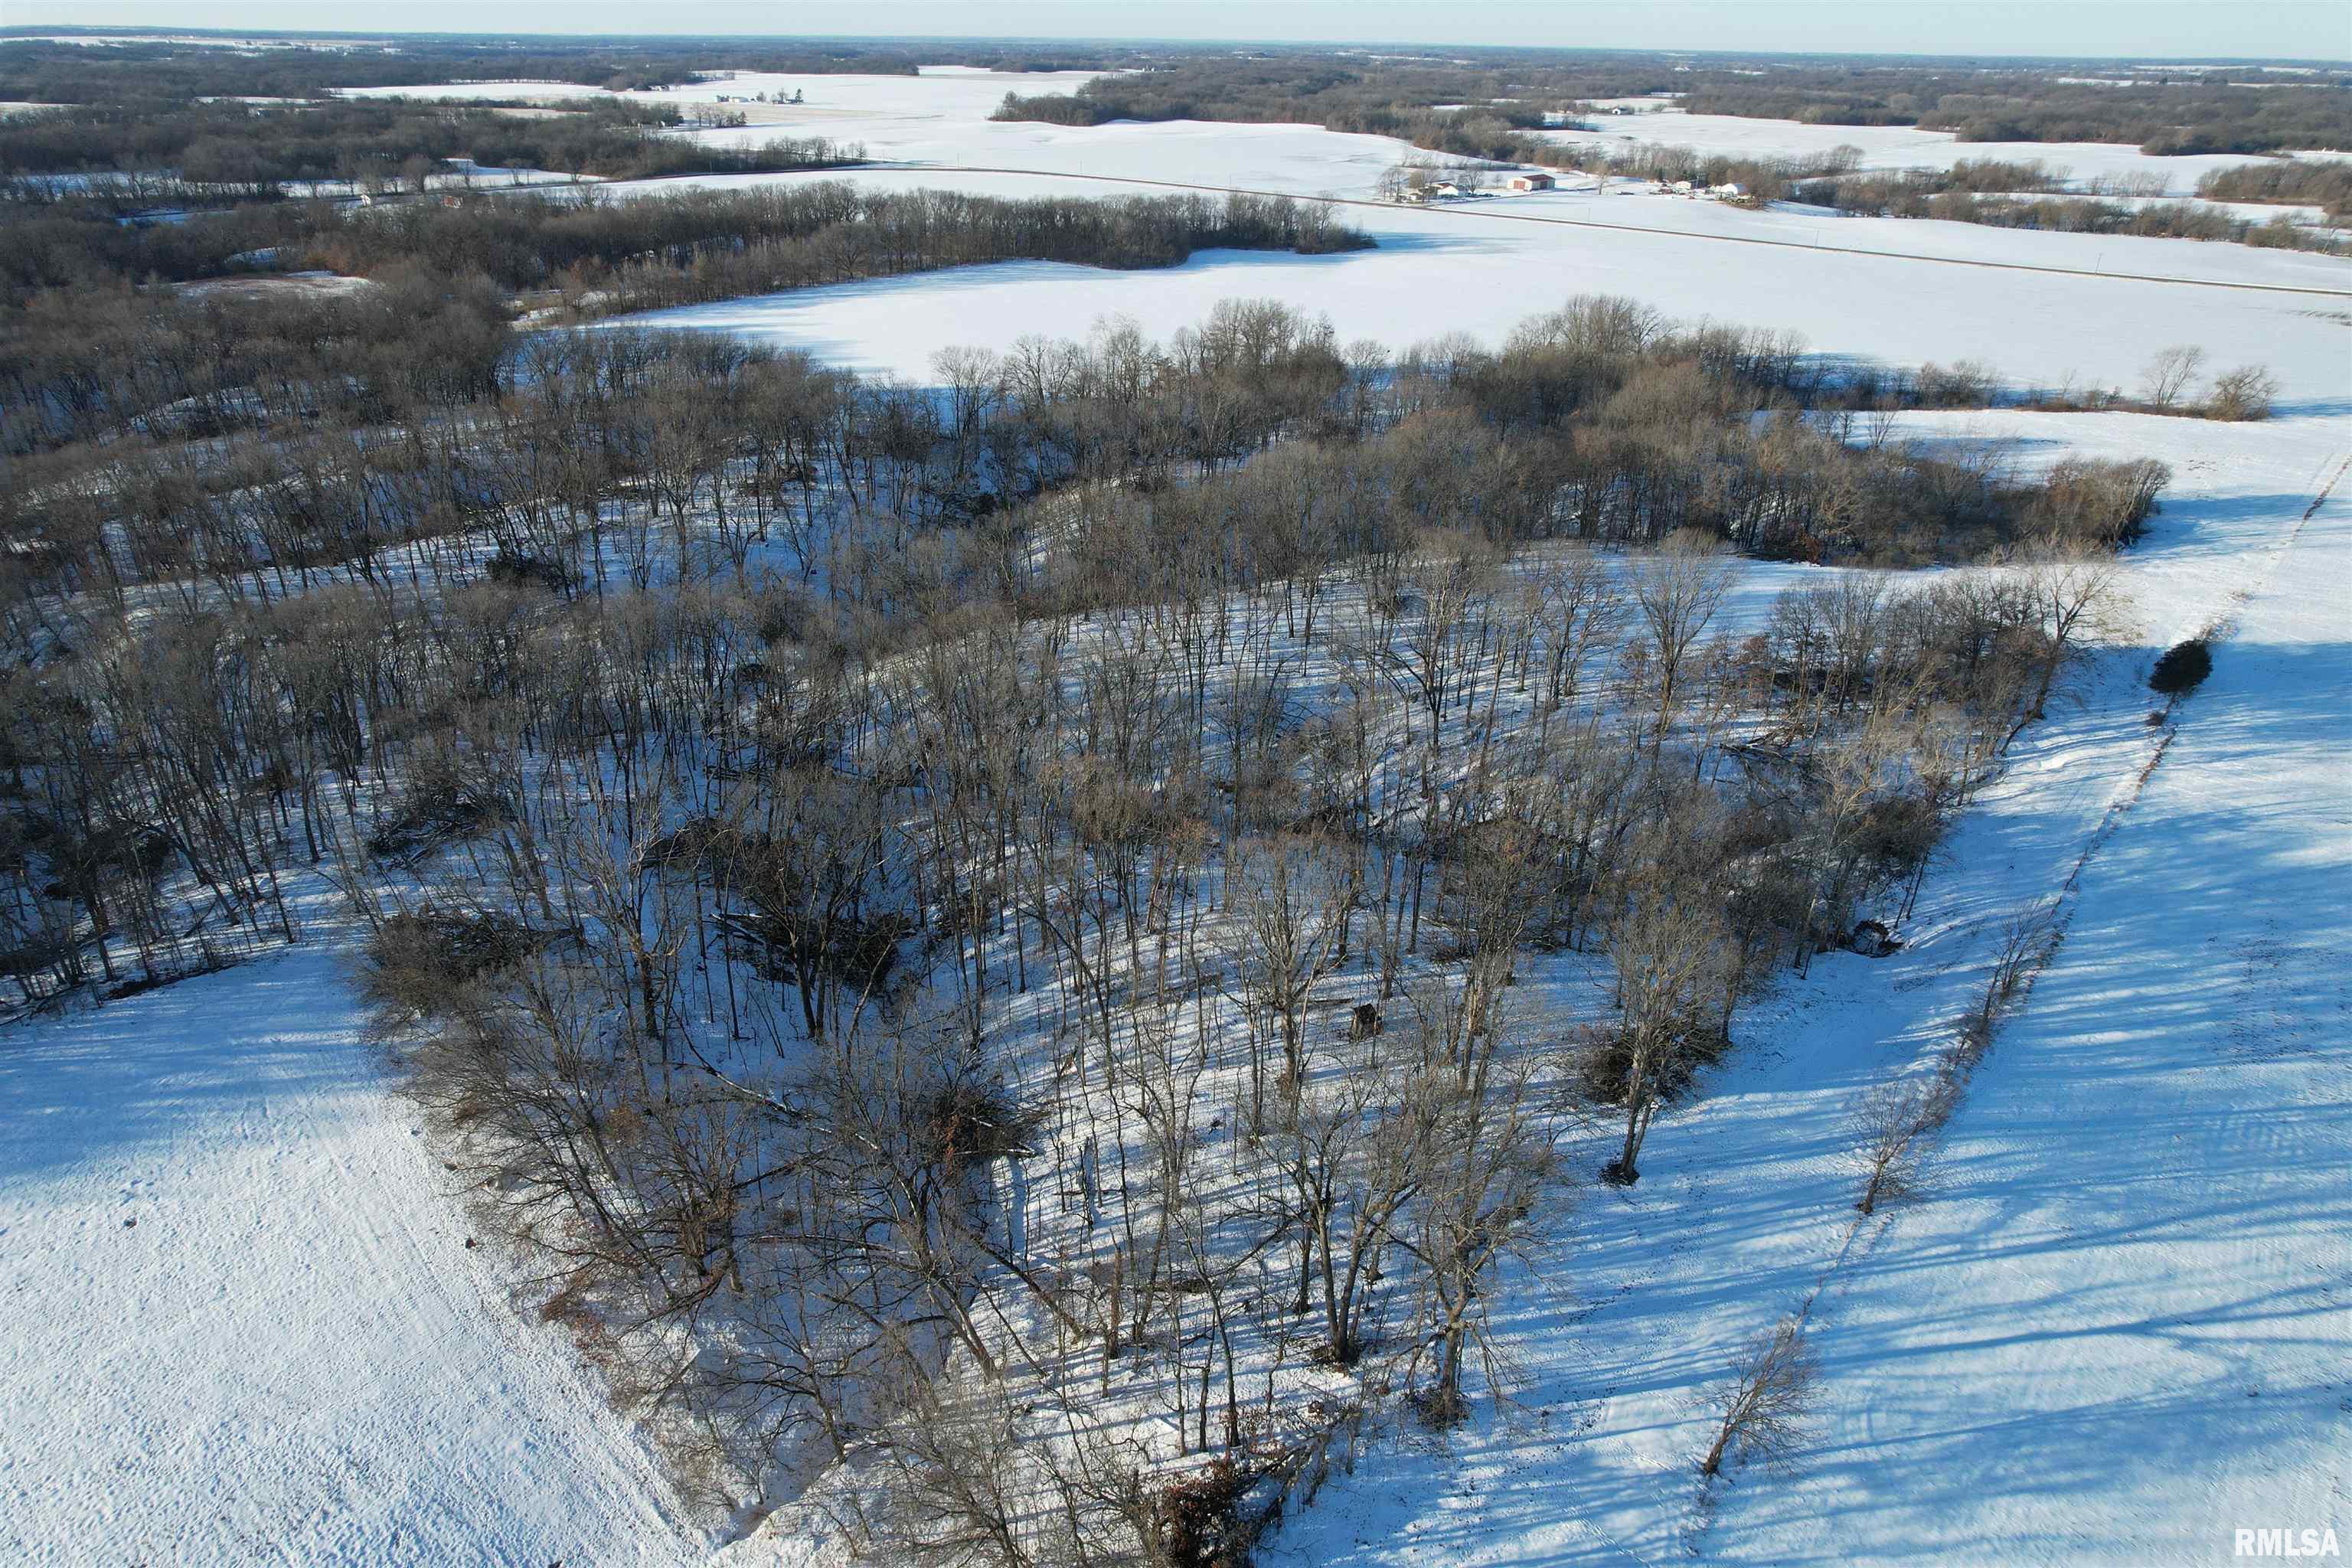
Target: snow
{"points": [[943, 118], [2145, 1216], [837, 106], [1895, 146], [242, 1322], [2114, 1328], [1294, 160], [1478, 268]]}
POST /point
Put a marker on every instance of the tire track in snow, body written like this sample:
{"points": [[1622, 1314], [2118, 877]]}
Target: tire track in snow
{"points": [[2223, 629], [1697, 1523]]}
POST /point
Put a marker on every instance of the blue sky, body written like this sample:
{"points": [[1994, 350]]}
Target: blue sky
{"points": [[2180, 29]]}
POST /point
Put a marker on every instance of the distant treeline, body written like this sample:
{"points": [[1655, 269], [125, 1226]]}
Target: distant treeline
{"points": [[2202, 113], [1392, 99], [1777, 179], [1998, 193], [34, 72], [1919, 193], [251, 152], [715, 244], [2323, 182], [2161, 111], [644, 250]]}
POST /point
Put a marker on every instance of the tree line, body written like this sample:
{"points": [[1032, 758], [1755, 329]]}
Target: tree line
{"points": [[2162, 110], [90, 353], [2323, 182], [147, 71], [1472, 103], [222, 151]]}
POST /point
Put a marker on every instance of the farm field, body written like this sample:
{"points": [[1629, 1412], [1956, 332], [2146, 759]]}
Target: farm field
{"points": [[847, 107], [1477, 270], [209, 1210]]}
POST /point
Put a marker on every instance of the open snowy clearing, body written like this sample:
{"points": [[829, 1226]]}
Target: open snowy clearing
{"points": [[1293, 160], [245, 1326], [1463, 228], [1472, 270]]}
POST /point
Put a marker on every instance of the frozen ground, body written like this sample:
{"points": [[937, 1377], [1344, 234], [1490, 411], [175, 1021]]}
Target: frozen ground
{"points": [[941, 118], [2116, 1327], [242, 1324], [881, 111], [2114, 1330], [1477, 268]]}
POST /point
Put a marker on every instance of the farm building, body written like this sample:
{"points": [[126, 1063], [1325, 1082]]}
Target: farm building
{"points": [[1532, 182]]}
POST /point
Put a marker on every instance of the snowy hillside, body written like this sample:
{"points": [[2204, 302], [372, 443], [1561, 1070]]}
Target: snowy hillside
{"points": [[2113, 1328], [255, 1302]]}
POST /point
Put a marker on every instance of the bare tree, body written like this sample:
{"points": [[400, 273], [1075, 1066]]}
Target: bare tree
{"points": [[956, 1485], [1296, 896], [2168, 375], [1676, 592], [1895, 1127], [1583, 609], [1764, 1401], [2245, 393], [2072, 597], [2025, 939], [1489, 1163], [1674, 962]]}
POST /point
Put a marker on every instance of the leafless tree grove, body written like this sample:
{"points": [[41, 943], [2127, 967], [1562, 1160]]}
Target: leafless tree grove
{"points": [[976, 937]]}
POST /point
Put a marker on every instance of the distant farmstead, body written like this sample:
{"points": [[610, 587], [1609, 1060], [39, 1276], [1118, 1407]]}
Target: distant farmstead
{"points": [[1536, 181]]}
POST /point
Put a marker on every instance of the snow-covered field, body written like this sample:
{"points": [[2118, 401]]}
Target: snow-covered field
{"points": [[1477, 268], [245, 1325], [1894, 146], [880, 110], [2118, 1326], [943, 118]]}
